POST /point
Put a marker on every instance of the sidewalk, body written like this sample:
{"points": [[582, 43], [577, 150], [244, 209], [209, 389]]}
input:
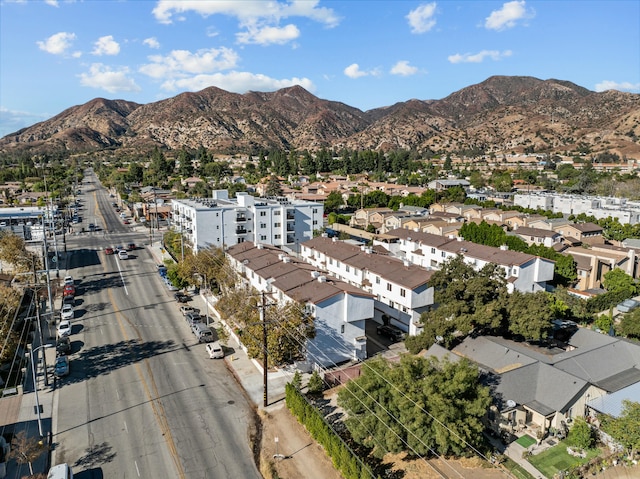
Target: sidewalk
{"points": [[247, 371]]}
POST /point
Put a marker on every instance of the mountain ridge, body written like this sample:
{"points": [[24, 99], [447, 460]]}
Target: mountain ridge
{"points": [[501, 114]]}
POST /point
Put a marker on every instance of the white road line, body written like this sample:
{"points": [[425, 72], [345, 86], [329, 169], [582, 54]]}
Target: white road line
{"points": [[122, 277], [125, 427], [137, 470], [118, 394]]}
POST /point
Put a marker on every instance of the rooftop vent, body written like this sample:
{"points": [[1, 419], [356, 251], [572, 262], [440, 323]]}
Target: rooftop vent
{"points": [[322, 279]]}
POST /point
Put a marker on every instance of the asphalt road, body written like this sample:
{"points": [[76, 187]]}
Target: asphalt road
{"points": [[142, 398]]}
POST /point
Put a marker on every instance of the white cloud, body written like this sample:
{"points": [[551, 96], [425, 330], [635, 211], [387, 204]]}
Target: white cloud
{"points": [[421, 19], [183, 63], [269, 35], [58, 43], [248, 10], [238, 82], [152, 42], [53, 3], [508, 16], [106, 46], [403, 68], [612, 85], [353, 71], [103, 77], [479, 57]]}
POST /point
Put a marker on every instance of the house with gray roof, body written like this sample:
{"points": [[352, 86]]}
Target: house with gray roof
{"points": [[547, 386]]}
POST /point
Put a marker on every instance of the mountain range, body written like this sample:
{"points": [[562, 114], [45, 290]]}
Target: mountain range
{"points": [[502, 114]]}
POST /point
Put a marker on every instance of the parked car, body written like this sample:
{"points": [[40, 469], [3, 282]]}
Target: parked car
{"points": [[214, 350], [126, 222], [202, 332], [392, 332], [69, 280], [64, 329], [188, 309], [63, 345], [181, 297], [70, 299], [66, 312], [108, 250], [61, 367], [69, 290], [193, 318], [131, 246]]}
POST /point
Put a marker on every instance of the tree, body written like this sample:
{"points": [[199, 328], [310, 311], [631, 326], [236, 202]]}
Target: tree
{"points": [[420, 404], [581, 435], [273, 187], [333, 202], [315, 385], [617, 280], [530, 315], [630, 324], [26, 449], [625, 428]]}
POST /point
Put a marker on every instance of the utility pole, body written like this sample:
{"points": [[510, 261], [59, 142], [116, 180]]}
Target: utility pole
{"points": [[263, 308]]}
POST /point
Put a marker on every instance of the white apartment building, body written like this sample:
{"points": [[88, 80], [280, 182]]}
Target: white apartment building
{"points": [[524, 272], [223, 222], [401, 290], [339, 309], [598, 207]]}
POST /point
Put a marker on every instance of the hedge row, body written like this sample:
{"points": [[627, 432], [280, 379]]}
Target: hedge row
{"points": [[343, 458]]}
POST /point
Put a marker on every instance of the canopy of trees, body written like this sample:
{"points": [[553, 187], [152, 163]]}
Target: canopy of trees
{"points": [[419, 405]]}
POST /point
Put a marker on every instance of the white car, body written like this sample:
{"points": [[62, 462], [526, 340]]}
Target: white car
{"points": [[66, 312], [64, 329], [122, 254], [68, 280], [214, 350]]}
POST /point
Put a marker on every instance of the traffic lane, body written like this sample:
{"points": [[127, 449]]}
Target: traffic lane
{"points": [[93, 430], [209, 417]]}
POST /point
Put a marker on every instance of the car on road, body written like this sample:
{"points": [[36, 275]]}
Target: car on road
{"points": [[69, 280], [92, 227], [214, 350], [69, 300], [108, 250], [64, 329], [63, 345], [122, 254], [61, 367], [181, 297], [392, 332], [67, 312], [126, 222], [188, 309], [131, 246], [69, 290]]}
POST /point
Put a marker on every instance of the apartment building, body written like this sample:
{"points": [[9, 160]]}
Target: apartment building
{"points": [[339, 310], [401, 290], [223, 222], [524, 272]]}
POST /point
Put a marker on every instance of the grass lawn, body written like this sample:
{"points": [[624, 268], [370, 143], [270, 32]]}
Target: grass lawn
{"points": [[556, 459], [526, 441], [516, 470]]}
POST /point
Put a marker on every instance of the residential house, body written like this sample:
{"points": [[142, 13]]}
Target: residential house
{"points": [[524, 272], [364, 217], [401, 290], [339, 310], [442, 185], [589, 233], [594, 262], [540, 387], [537, 236]]}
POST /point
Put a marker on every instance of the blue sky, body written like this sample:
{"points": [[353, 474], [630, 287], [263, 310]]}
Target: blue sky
{"points": [[55, 54]]}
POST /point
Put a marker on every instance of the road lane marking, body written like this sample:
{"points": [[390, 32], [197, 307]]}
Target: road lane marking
{"points": [[118, 394], [122, 277], [137, 470]]}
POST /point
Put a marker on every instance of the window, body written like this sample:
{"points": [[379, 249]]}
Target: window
{"points": [[347, 269], [388, 286], [377, 279], [443, 254], [263, 237], [263, 213], [263, 225], [276, 225], [277, 236], [315, 210], [276, 213], [403, 292], [331, 261], [342, 328], [315, 222], [433, 251]]}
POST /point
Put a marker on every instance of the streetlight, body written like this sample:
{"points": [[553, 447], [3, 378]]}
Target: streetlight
{"points": [[35, 384]]}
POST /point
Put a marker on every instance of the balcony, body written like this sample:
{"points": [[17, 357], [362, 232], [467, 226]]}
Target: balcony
{"points": [[291, 215], [291, 227], [241, 231], [291, 239], [241, 218]]}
